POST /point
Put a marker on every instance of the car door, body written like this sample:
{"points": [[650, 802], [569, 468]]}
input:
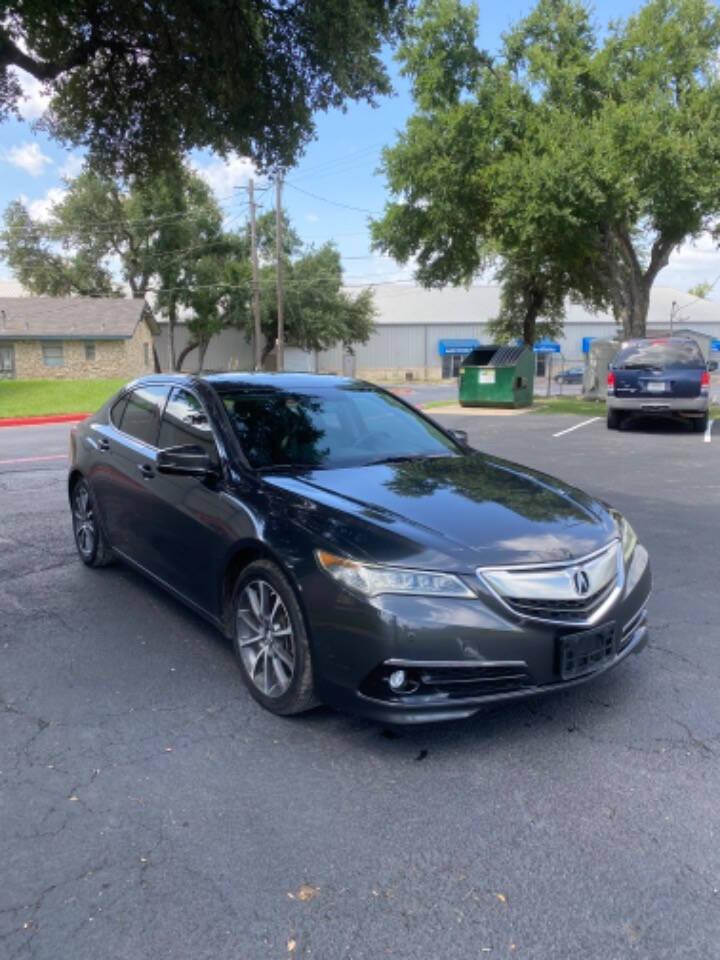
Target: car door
{"points": [[193, 516], [126, 468]]}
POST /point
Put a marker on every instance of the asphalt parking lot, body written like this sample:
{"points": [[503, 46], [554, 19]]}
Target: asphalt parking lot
{"points": [[150, 809]]}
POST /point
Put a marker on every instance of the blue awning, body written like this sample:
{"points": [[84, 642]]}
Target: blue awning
{"points": [[462, 347], [715, 345], [546, 346], [586, 341]]}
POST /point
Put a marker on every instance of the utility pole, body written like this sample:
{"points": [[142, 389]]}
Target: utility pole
{"points": [[280, 348], [255, 281], [673, 310]]}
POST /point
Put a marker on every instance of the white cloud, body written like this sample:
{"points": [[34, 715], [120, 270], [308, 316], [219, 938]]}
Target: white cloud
{"points": [[693, 262], [223, 176], [40, 209], [72, 167], [28, 157], [35, 99], [312, 217]]}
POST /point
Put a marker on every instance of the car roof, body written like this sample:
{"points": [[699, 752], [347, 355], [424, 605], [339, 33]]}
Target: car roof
{"points": [[280, 381], [639, 341]]}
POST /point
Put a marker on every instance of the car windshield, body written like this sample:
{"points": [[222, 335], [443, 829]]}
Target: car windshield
{"points": [[656, 354], [329, 427]]}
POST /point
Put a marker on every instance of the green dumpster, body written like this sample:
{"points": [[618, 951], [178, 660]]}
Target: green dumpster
{"points": [[497, 377]]}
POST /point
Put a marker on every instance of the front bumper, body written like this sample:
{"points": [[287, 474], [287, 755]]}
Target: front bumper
{"points": [[659, 404], [462, 654]]}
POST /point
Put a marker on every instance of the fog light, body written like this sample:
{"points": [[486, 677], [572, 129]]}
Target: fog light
{"points": [[397, 679]]}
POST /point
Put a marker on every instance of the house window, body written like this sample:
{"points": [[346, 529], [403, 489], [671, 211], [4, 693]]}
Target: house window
{"points": [[52, 354], [146, 354], [90, 352]]}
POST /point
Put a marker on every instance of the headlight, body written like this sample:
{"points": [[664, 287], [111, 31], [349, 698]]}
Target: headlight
{"points": [[628, 536], [371, 580]]}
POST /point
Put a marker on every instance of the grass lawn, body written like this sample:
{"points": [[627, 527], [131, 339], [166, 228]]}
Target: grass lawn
{"points": [[30, 398], [591, 408]]}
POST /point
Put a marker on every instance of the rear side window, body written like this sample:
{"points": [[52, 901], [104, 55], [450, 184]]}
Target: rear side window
{"points": [[185, 422], [141, 417], [657, 354]]}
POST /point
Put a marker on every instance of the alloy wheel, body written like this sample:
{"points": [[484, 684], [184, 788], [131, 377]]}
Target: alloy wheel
{"points": [[265, 638], [83, 520]]}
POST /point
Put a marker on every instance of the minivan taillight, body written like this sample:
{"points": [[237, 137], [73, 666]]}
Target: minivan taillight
{"points": [[611, 382]]}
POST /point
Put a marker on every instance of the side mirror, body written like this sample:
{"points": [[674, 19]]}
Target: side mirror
{"points": [[461, 436], [186, 460], [712, 366]]}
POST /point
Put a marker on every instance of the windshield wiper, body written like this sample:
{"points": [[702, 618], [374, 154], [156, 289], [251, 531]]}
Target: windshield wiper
{"points": [[272, 467], [406, 457]]}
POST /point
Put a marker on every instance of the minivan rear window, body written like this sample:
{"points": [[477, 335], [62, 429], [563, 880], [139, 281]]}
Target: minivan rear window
{"points": [[656, 354]]}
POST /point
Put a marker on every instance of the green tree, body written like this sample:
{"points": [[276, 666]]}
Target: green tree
{"points": [[318, 312], [138, 84], [580, 165], [701, 289], [165, 234]]}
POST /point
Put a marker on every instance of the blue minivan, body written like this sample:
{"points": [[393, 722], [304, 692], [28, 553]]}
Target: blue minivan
{"points": [[665, 376]]}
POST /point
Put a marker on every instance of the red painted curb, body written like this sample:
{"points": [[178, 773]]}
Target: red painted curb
{"points": [[51, 418]]}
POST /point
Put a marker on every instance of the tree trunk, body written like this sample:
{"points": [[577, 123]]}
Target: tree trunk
{"points": [[172, 320], [628, 284], [184, 353], [534, 301]]}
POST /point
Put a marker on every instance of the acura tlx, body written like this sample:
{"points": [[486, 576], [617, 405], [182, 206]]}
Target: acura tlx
{"points": [[356, 552]]}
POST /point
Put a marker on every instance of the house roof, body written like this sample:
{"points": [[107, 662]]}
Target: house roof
{"points": [[71, 318]]}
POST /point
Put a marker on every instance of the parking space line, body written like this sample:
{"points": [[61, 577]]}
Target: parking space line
{"points": [[50, 456], [577, 426], [708, 431]]}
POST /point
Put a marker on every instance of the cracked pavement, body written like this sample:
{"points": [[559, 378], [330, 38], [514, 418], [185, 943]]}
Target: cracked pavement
{"points": [[150, 809]]}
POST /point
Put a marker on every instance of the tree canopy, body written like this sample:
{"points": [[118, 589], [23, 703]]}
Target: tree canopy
{"points": [[136, 83], [164, 238], [577, 163]]}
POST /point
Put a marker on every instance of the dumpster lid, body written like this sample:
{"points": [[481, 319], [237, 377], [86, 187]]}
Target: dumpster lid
{"points": [[494, 356]]}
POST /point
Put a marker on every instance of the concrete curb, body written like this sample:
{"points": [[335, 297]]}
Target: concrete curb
{"points": [[37, 421]]}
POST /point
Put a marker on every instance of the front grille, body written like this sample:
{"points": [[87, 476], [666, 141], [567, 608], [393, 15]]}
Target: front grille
{"points": [[561, 610]]}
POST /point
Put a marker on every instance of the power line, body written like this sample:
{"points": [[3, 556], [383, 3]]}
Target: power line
{"points": [[334, 203]]}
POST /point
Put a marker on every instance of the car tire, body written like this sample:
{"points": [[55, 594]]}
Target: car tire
{"points": [[90, 540], [700, 424], [613, 419], [271, 642]]}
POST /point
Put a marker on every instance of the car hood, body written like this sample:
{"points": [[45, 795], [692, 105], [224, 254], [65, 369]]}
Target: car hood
{"points": [[475, 509]]}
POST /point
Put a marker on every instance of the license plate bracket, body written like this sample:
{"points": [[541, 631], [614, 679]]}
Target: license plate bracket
{"points": [[656, 386], [582, 653]]}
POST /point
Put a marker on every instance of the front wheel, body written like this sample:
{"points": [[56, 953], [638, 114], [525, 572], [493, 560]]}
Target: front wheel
{"points": [[271, 641], [89, 538], [613, 419]]}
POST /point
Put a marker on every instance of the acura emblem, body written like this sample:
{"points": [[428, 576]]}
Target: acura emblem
{"points": [[581, 582]]}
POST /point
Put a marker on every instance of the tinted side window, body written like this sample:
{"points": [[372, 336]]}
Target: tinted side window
{"points": [[185, 422], [142, 413]]}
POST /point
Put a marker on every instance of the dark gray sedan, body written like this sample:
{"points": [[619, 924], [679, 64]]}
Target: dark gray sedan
{"points": [[355, 551]]}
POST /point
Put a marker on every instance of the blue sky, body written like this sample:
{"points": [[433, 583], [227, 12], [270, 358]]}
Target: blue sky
{"points": [[336, 174]]}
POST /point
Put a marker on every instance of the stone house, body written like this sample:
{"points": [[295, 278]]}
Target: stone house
{"points": [[68, 338]]}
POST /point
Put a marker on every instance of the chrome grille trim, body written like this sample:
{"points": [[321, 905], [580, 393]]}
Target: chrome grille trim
{"points": [[544, 591]]}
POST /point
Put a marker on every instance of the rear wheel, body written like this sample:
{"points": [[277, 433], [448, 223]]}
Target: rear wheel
{"points": [[613, 419], [701, 423], [89, 539], [271, 641]]}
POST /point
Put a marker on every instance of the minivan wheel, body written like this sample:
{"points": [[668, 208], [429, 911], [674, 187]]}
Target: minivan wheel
{"points": [[270, 640], [700, 423], [613, 419], [89, 538]]}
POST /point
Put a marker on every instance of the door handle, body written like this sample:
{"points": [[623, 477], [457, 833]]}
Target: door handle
{"points": [[146, 470], [103, 444]]}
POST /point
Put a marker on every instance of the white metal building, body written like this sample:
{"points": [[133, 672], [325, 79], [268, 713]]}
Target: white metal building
{"points": [[415, 330]]}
